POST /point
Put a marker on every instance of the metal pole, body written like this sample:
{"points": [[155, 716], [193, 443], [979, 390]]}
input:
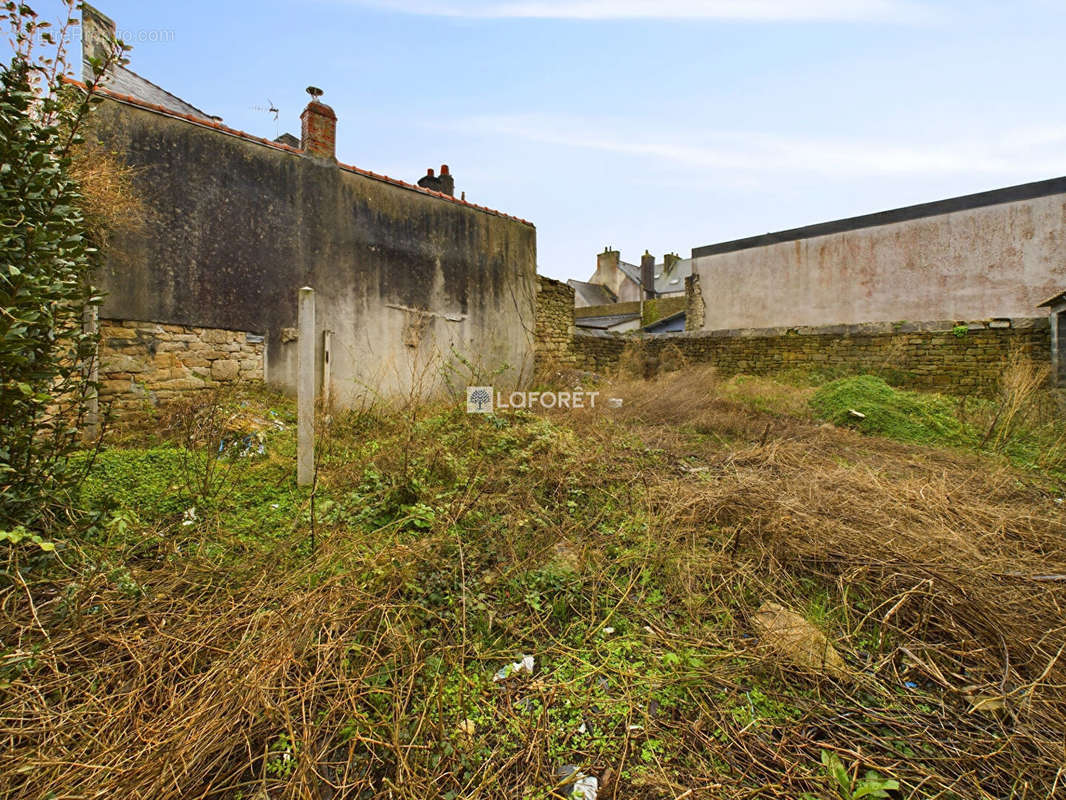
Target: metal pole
{"points": [[305, 390], [327, 370], [91, 316]]}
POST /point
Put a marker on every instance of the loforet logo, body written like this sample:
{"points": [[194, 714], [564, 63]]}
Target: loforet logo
{"points": [[478, 399], [483, 400]]}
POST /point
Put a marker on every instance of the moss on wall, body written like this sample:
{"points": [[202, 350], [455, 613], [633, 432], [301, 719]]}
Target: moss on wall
{"points": [[924, 356]]}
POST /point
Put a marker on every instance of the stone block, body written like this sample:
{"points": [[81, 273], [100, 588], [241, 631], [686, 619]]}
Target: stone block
{"points": [[225, 370], [217, 336], [121, 363]]}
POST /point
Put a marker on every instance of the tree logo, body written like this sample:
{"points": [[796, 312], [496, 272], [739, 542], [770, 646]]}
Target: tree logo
{"points": [[478, 399]]}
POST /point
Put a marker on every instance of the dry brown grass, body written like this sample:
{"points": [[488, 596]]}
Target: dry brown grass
{"points": [[925, 567], [111, 204]]}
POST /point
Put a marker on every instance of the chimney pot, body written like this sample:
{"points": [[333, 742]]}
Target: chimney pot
{"points": [[444, 170], [429, 172]]}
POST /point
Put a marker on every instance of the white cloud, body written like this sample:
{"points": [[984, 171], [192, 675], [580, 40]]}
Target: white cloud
{"points": [[1040, 150], [740, 10]]}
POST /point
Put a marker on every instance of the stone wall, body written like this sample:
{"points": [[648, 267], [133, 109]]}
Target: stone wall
{"points": [[695, 309], [144, 364], [405, 280], [956, 359], [554, 329]]}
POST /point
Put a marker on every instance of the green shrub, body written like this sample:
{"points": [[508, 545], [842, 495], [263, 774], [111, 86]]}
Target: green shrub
{"points": [[895, 413], [45, 263]]}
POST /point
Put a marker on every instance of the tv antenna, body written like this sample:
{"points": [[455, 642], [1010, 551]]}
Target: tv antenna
{"points": [[272, 109]]}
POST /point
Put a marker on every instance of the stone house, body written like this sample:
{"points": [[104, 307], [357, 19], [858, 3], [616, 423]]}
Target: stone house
{"points": [[618, 281]]}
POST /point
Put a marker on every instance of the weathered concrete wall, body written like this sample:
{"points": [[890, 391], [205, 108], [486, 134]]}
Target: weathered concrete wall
{"points": [[938, 355], [145, 364], [992, 261], [404, 279], [554, 332]]}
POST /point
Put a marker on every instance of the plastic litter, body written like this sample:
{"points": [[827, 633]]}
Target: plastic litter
{"points": [[525, 666], [576, 784]]}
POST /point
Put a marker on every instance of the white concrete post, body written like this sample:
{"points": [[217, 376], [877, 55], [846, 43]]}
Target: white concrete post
{"points": [[305, 390]]}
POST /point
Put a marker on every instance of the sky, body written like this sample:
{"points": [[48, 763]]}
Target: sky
{"points": [[640, 124]]}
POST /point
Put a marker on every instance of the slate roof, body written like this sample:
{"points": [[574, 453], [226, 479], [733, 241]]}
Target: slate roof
{"points": [[127, 82], [675, 281], [592, 294], [664, 284], [605, 323], [675, 323]]}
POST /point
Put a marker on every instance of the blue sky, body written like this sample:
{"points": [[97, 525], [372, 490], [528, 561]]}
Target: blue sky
{"points": [[659, 124]]}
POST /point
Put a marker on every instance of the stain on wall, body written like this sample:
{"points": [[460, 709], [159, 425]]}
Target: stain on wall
{"points": [[236, 227], [993, 260]]}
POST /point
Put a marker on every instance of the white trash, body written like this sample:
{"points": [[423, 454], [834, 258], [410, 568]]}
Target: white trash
{"points": [[576, 784], [525, 666]]}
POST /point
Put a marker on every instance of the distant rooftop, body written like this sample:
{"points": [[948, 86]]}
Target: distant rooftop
{"points": [[665, 283], [591, 294], [605, 322]]}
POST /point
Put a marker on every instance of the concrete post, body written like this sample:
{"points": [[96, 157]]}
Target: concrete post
{"points": [[305, 390]]}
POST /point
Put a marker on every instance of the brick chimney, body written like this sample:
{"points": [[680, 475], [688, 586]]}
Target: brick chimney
{"points": [[430, 181], [318, 127], [447, 182], [647, 275]]}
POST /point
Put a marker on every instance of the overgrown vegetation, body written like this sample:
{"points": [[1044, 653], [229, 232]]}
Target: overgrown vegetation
{"points": [[1022, 421], [906, 416], [45, 288], [274, 644]]}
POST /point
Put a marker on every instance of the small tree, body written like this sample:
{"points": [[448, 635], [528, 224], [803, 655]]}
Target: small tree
{"points": [[46, 261]]}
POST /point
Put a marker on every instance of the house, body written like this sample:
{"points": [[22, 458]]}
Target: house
{"points": [[618, 281]]}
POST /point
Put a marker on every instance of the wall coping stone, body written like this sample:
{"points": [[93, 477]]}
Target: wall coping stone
{"points": [[860, 329]]}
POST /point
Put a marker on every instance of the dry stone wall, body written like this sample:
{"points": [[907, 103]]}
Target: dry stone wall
{"points": [[144, 364], [944, 356], [554, 330]]}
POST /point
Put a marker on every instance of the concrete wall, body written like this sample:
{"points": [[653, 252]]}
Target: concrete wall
{"points": [[997, 260], [404, 279]]}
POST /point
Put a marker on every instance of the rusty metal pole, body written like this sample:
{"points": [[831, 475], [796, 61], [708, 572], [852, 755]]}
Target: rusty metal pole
{"points": [[305, 390]]}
